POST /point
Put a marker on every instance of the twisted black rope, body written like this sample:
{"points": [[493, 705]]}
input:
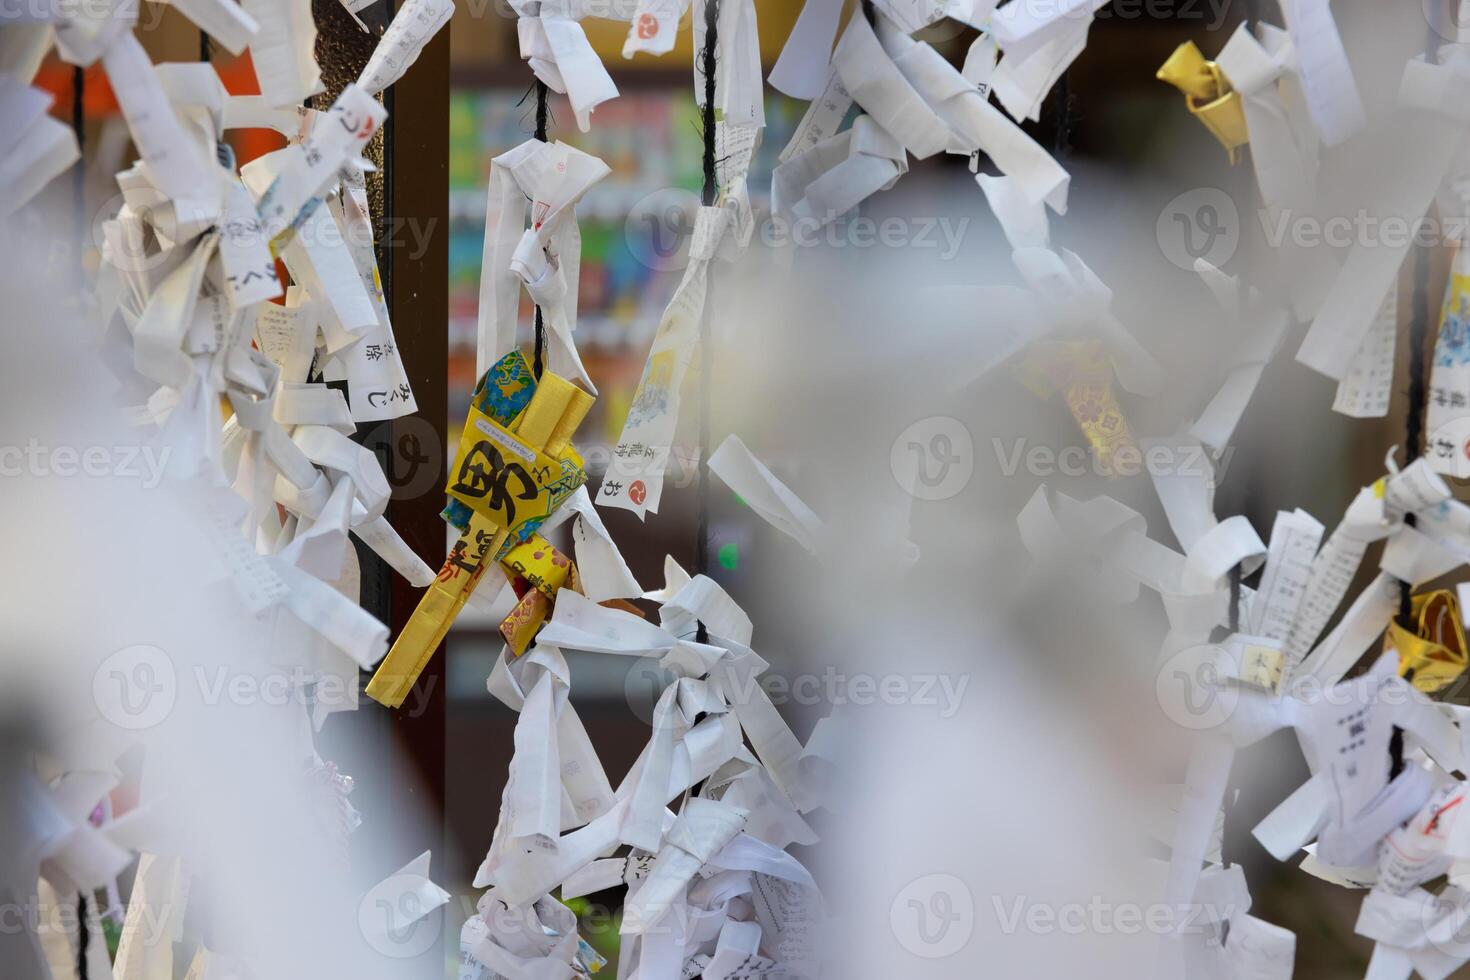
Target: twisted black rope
{"points": [[1063, 143], [1414, 424], [1413, 434], [541, 114], [83, 936], [79, 185], [79, 130], [706, 341]]}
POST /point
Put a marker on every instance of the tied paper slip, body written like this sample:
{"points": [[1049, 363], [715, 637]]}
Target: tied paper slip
{"points": [[557, 49], [1259, 330], [1376, 513], [801, 70], [306, 170], [767, 496], [318, 258], [174, 163], [1448, 424], [413, 26], [35, 148], [975, 124], [653, 26], [1039, 42], [315, 253], [635, 476], [376, 378], [541, 182], [822, 119], [284, 51], [739, 92], [1327, 78], [1434, 108], [224, 20], [877, 84], [287, 335], [1295, 537], [1284, 149], [250, 270], [1364, 391]]}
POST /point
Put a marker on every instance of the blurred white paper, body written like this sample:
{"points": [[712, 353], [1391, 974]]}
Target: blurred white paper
{"points": [[1364, 392], [1327, 78], [766, 495], [284, 51], [413, 26]]}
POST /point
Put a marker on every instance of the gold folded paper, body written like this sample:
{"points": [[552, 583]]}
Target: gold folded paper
{"points": [[544, 572], [1082, 372], [1435, 650], [1208, 94], [1262, 667], [503, 496]]}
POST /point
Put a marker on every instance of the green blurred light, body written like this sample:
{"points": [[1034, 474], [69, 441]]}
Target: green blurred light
{"points": [[729, 556]]}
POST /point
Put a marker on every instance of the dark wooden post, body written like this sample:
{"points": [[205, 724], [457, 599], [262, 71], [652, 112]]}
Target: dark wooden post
{"points": [[397, 757]]}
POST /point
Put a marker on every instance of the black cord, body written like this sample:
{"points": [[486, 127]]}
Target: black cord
{"points": [[1235, 599], [82, 936], [79, 177], [706, 340], [707, 122], [1063, 144], [1414, 427], [541, 114], [1413, 434], [1232, 794]]}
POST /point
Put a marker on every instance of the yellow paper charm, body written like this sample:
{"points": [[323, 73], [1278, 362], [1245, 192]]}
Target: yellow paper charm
{"points": [[516, 463], [1435, 650], [1208, 94], [1082, 372]]}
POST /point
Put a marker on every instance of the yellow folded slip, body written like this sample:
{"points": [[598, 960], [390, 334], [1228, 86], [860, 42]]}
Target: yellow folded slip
{"points": [[1208, 94], [1083, 373], [1435, 649], [509, 476]]}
